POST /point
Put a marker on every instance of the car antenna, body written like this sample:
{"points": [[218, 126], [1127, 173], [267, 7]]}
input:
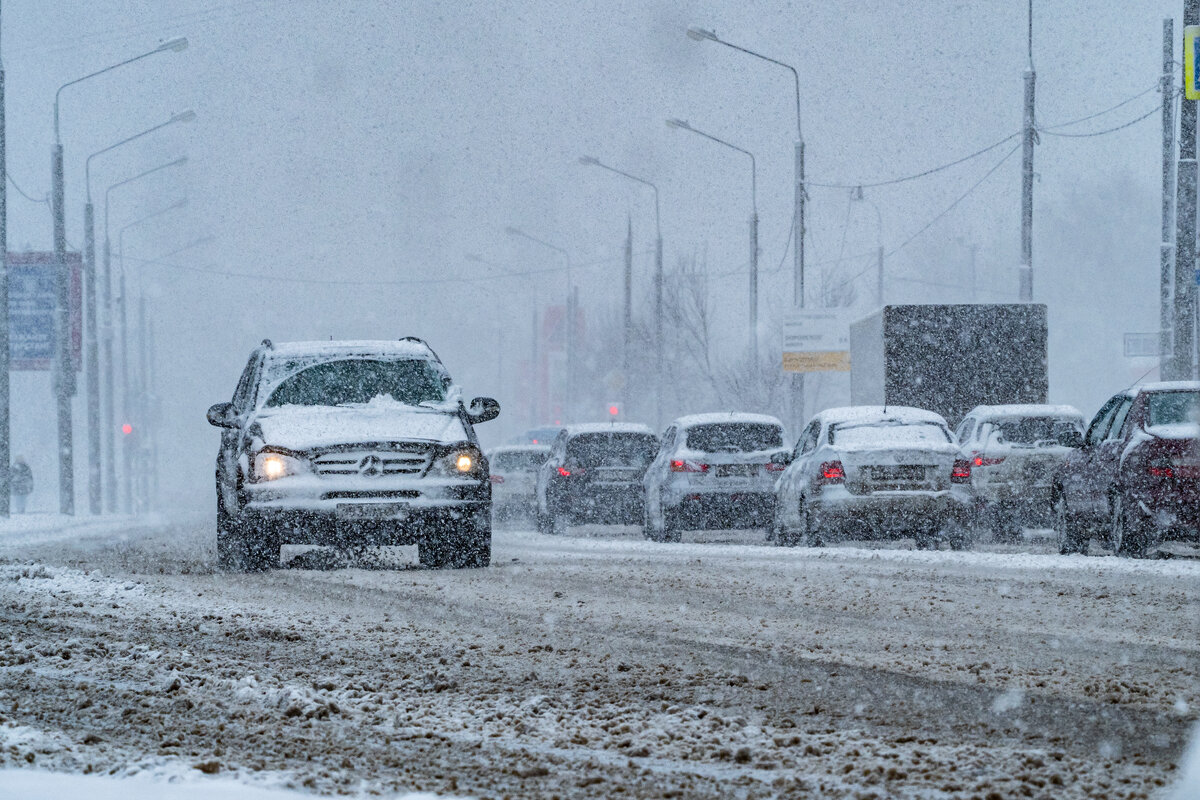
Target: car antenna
{"points": [[1139, 380]]}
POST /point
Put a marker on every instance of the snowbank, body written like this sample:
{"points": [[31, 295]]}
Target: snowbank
{"points": [[27, 784], [22, 530]]}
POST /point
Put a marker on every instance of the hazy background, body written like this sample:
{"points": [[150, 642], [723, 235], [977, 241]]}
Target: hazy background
{"points": [[343, 143]]}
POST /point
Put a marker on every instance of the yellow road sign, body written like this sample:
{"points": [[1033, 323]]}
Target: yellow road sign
{"points": [[832, 361], [1191, 90]]}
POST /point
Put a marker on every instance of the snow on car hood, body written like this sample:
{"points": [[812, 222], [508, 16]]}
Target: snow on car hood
{"points": [[381, 420]]}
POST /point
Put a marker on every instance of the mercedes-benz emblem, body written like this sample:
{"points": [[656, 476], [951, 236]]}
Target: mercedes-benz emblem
{"points": [[371, 466]]}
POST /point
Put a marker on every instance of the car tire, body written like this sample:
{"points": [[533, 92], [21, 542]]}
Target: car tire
{"points": [[957, 535], [231, 549], [809, 535], [1066, 529], [672, 525], [1126, 536], [260, 547]]}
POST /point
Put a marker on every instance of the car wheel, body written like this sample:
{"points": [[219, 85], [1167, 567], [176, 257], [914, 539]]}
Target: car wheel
{"points": [[559, 524], [957, 535], [775, 530], [671, 525], [1066, 529], [809, 535], [261, 547], [1126, 536], [231, 550]]}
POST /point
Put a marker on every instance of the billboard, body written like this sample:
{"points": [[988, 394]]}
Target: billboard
{"points": [[32, 300], [816, 341]]}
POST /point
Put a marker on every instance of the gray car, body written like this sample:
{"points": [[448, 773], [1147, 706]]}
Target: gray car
{"points": [[872, 472], [713, 471]]}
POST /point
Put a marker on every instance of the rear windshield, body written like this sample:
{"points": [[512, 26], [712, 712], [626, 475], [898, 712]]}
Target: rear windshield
{"points": [[612, 449], [521, 461], [1032, 430], [735, 437], [888, 434], [349, 381], [1172, 408]]}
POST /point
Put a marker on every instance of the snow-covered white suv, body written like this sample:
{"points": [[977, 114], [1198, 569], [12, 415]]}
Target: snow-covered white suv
{"points": [[350, 444]]}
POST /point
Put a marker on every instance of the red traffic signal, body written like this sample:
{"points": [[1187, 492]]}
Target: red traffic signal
{"points": [[126, 429]]}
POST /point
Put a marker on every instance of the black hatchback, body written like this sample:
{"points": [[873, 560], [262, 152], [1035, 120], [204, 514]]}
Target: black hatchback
{"points": [[594, 475]]}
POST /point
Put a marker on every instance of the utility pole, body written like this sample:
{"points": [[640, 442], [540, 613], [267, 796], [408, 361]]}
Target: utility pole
{"points": [[1028, 137], [1167, 248], [627, 342], [535, 372], [5, 354], [1185, 225], [974, 251], [64, 377], [110, 411], [92, 357], [879, 275], [754, 292], [658, 323]]}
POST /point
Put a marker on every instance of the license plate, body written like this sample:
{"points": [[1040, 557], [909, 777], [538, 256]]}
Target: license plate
{"points": [[737, 471], [372, 511], [905, 472]]}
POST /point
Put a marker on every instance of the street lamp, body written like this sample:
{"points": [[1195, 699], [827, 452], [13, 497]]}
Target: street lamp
{"points": [[89, 313], [110, 468], [683, 125], [126, 401], [860, 197], [569, 392], [65, 373], [798, 234], [592, 161]]}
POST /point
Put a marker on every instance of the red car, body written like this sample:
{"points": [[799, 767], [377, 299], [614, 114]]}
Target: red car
{"points": [[1134, 478]]}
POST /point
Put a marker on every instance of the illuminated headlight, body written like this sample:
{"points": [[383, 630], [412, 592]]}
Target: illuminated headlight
{"points": [[269, 466], [461, 462]]}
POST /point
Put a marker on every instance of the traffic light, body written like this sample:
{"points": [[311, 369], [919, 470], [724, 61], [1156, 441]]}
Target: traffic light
{"points": [[126, 429], [614, 410]]}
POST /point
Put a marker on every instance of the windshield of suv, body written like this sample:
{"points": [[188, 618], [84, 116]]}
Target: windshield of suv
{"points": [[1032, 430], [612, 449], [350, 381], [520, 460], [888, 434], [734, 437], [1172, 408]]}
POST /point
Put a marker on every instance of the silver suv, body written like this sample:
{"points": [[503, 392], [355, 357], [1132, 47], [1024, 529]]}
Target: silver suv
{"points": [[351, 444]]}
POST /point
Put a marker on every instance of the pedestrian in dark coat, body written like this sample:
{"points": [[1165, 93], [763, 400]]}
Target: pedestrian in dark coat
{"points": [[20, 478]]}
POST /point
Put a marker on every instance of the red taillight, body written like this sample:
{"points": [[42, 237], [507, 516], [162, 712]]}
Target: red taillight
{"points": [[566, 473], [984, 461], [962, 470], [773, 467], [496, 478], [832, 472], [687, 466], [1161, 468]]}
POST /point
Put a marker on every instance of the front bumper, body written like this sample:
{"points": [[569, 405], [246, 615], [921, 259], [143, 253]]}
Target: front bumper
{"points": [[884, 514], [380, 511]]}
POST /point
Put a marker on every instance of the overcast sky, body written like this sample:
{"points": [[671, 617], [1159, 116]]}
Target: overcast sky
{"points": [[342, 142]]}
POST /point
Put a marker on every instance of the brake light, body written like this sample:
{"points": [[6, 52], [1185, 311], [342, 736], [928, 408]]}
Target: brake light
{"points": [[679, 465], [961, 473], [1161, 468], [496, 478], [832, 472], [566, 473], [773, 467], [985, 461]]}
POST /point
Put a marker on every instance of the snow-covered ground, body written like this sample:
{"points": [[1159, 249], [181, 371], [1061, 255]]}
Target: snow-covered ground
{"points": [[598, 665]]}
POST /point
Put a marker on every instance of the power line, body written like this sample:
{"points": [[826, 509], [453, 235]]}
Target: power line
{"points": [[1156, 110], [410, 282], [922, 174], [25, 194], [1124, 102]]}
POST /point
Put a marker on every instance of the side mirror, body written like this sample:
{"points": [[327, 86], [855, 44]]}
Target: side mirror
{"points": [[1071, 438], [483, 409], [222, 415]]}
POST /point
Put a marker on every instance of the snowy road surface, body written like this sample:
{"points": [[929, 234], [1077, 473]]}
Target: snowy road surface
{"points": [[600, 665]]}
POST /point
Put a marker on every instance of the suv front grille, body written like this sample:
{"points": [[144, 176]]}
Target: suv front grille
{"points": [[372, 463]]}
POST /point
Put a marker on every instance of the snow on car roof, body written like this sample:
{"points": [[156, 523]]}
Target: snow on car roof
{"points": [[358, 347], [608, 427], [520, 448], [1024, 410], [867, 414], [731, 416], [1168, 386]]}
